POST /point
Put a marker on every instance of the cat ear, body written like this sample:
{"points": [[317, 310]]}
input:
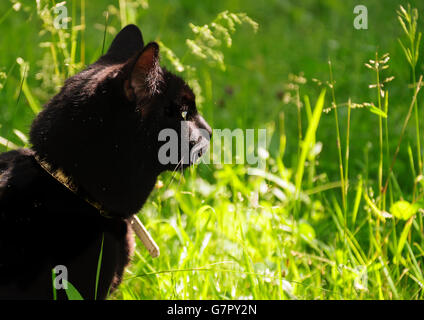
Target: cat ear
{"points": [[127, 42], [145, 75]]}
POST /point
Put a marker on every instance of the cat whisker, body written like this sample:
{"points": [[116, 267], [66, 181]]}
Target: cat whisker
{"points": [[174, 172], [181, 175]]}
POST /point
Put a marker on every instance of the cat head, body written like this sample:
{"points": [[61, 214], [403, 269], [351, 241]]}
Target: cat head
{"points": [[103, 128]]}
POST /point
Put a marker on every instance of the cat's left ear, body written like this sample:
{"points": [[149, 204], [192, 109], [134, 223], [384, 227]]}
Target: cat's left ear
{"points": [[127, 42], [145, 75]]}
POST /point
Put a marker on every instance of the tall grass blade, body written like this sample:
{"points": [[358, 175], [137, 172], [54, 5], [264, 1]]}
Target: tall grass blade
{"points": [[99, 266], [72, 292], [306, 144]]}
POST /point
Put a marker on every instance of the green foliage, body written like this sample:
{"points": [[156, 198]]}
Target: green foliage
{"points": [[408, 19], [210, 37], [72, 292], [206, 46], [309, 138], [99, 266], [403, 209]]}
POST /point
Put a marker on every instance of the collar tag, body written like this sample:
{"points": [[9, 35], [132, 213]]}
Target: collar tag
{"points": [[144, 236]]}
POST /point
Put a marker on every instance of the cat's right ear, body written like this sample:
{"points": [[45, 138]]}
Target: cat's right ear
{"points": [[127, 42], [145, 75]]}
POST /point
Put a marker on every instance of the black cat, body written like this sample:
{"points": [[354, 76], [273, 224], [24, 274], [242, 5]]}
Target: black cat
{"points": [[100, 133]]}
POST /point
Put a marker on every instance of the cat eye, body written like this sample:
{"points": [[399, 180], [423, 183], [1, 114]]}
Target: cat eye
{"points": [[184, 115]]}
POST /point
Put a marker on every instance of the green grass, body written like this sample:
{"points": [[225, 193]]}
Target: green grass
{"points": [[337, 214]]}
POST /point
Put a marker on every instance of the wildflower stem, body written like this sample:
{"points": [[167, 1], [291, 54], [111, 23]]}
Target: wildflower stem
{"points": [[380, 127], [299, 119], [386, 110], [417, 125], [403, 132], [82, 32], [338, 135]]}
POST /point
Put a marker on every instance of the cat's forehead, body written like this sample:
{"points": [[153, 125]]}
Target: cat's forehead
{"points": [[177, 88]]}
